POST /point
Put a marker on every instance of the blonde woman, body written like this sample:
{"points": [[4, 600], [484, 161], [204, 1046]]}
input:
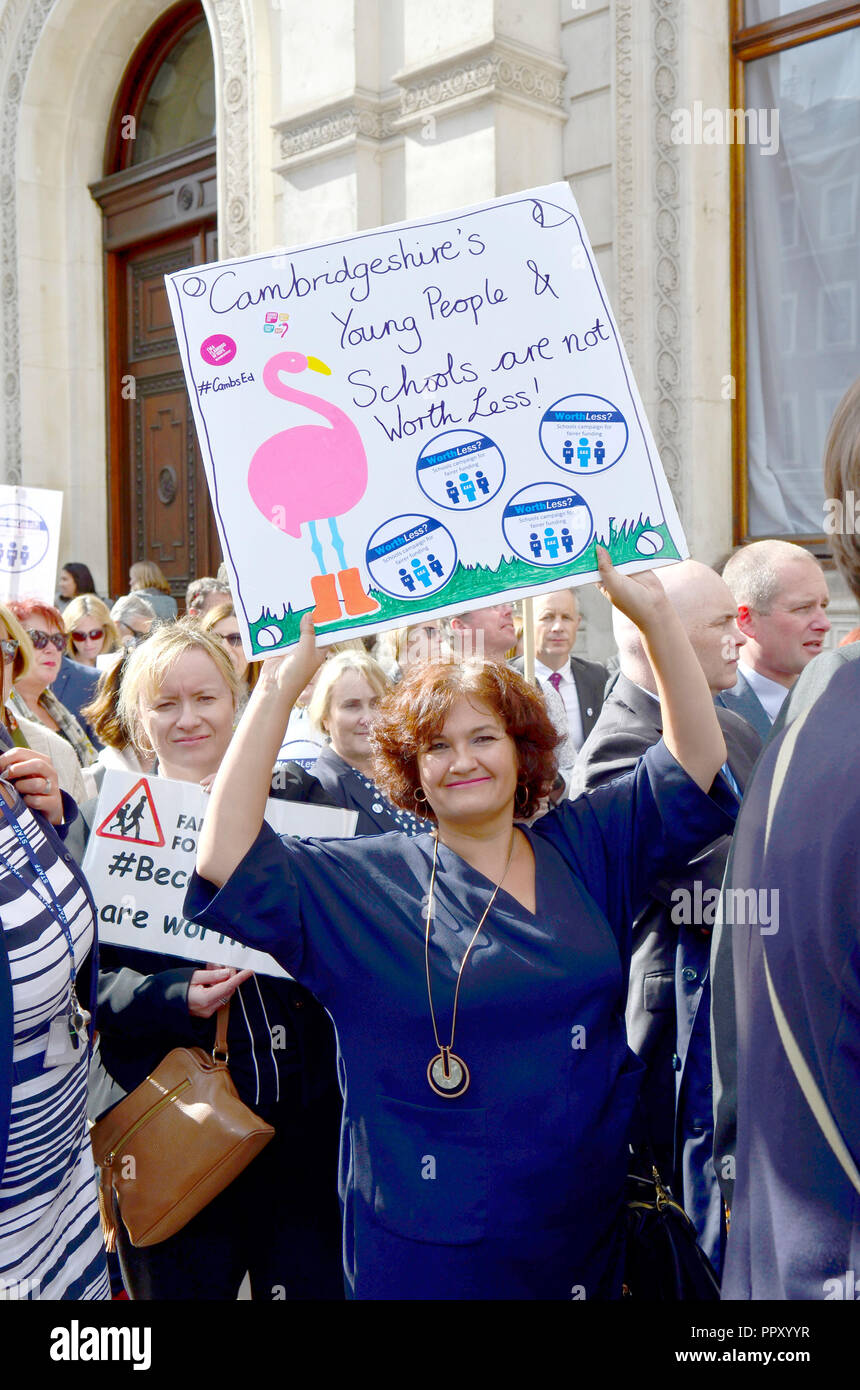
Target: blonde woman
{"points": [[146, 579], [222, 621], [91, 630], [342, 709], [278, 1220]]}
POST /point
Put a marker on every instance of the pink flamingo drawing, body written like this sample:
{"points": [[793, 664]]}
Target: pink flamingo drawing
{"points": [[312, 473]]}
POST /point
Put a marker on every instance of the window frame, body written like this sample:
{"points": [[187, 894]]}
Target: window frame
{"points": [[748, 43], [140, 74]]}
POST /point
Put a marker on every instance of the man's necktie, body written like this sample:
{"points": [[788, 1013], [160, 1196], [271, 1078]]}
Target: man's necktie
{"points": [[555, 680]]}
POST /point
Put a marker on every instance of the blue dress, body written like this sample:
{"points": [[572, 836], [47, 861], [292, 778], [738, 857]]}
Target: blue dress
{"points": [[514, 1190]]}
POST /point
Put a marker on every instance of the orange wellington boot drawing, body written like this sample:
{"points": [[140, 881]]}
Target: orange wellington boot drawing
{"points": [[327, 608], [355, 600]]}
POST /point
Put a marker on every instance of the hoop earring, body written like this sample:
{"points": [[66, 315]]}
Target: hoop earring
{"points": [[420, 795], [521, 787]]}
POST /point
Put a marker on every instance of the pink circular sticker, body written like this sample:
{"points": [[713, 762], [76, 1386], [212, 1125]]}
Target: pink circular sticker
{"points": [[218, 350]]}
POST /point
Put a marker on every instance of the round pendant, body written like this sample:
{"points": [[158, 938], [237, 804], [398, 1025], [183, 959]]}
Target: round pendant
{"points": [[449, 1081]]}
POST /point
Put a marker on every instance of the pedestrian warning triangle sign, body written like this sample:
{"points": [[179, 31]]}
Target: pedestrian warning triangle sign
{"points": [[135, 819]]}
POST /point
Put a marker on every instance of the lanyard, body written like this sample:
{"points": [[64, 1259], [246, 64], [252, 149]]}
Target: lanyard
{"points": [[51, 905]]}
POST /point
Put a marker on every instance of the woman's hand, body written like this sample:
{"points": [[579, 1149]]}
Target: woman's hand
{"points": [[35, 780], [640, 597], [244, 780], [211, 988]]}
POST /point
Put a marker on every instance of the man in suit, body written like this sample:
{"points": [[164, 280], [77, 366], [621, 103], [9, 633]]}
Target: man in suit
{"points": [[782, 600], [580, 683], [668, 1010]]}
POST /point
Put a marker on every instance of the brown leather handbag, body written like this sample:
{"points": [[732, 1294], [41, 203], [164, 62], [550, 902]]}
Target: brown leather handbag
{"points": [[174, 1143]]}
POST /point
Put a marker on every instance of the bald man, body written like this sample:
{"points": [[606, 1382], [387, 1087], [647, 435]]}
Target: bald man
{"points": [[782, 598], [668, 1008]]}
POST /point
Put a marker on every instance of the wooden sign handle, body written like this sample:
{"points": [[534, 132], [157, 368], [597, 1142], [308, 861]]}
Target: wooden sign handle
{"points": [[529, 640]]}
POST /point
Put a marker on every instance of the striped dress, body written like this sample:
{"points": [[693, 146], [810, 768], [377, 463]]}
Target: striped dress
{"points": [[50, 1237]]}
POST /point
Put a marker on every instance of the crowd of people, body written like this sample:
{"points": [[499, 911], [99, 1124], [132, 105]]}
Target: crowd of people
{"points": [[578, 914]]}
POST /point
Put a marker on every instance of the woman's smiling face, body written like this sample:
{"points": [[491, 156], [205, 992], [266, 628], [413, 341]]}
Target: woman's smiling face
{"points": [[469, 770]]}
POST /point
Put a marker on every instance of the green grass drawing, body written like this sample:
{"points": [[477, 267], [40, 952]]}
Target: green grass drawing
{"points": [[469, 583]]}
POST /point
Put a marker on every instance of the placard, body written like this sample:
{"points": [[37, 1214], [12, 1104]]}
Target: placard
{"points": [[29, 542], [417, 420], [141, 854]]}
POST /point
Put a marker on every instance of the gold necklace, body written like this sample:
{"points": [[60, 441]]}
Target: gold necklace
{"points": [[447, 1073]]}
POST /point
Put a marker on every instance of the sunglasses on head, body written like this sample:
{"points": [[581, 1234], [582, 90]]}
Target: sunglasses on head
{"points": [[40, 640], [95, 636], [9, 648]]}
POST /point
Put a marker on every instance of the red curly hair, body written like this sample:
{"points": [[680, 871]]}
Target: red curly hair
{"points": [[414, 712]]}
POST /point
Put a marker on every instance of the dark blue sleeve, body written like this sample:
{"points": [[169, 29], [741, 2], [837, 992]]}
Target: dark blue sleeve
{"points": [[305, 902], [623, 837]]}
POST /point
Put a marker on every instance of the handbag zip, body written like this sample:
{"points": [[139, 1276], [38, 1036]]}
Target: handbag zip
{"points": [[153, 1110]]}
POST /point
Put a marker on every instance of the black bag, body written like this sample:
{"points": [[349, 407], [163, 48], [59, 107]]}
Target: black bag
{"points": [[664, 1261]]}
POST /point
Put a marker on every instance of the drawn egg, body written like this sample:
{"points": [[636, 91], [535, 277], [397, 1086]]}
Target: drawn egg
{"points": [[549, 214], [649, 543], [268, 636]]}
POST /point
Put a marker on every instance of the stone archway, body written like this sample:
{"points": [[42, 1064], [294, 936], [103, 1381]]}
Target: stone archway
{"points": [[61, 62]]}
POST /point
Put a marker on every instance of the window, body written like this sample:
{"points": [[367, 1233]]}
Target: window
{"points": [[796, 254], [180, 105], [166, 100]]}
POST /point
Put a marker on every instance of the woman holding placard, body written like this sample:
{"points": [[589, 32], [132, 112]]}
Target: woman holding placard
{"points": [[278, 1219], [477, 976]]}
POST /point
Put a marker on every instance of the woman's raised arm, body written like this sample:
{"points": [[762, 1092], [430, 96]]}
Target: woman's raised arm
{"points": [[691, 730], [239, 793]]}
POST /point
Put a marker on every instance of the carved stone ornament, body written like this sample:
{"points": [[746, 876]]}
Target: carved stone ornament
{"points": [[500, 70], [667, 238]]}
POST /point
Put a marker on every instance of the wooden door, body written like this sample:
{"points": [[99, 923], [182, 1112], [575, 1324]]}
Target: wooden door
{"points": [[158, 219], [169, 519]]}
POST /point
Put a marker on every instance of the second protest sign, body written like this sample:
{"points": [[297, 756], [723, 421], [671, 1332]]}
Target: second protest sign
{"points": [[141, 855]]}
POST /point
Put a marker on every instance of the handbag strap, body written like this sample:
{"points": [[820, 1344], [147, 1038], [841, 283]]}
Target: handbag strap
{"points": [[802, 1073], [220, 1052]]}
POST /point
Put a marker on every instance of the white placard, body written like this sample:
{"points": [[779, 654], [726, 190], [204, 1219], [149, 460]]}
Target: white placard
{"points": [[141, 854], [418, 419], [29, 542]]}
